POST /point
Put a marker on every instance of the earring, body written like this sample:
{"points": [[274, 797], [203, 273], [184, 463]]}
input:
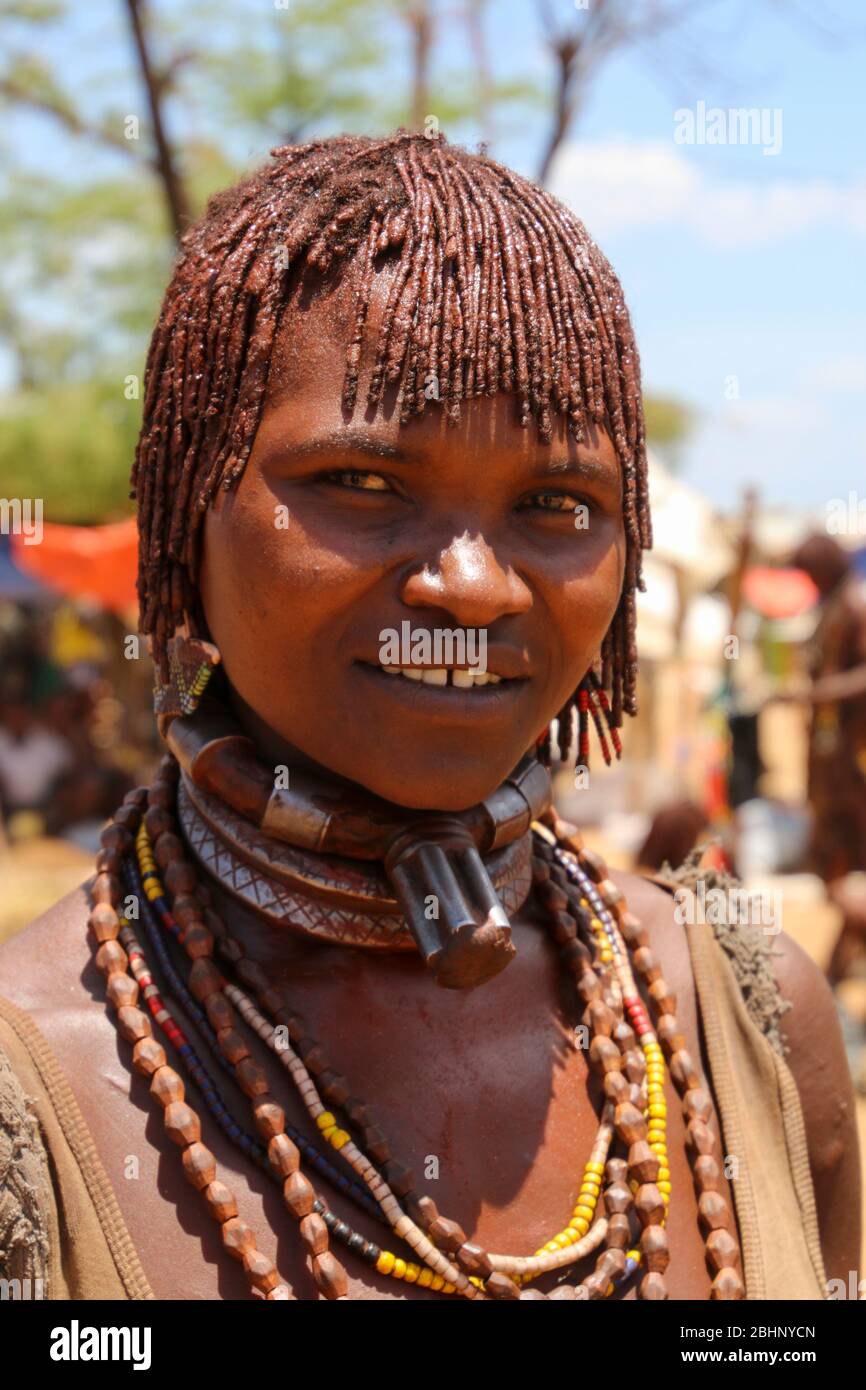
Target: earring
{"points": [[592, 703], [191, 663]]}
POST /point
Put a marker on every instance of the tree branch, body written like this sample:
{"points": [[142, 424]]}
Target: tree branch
{"points": [[166, 165]]}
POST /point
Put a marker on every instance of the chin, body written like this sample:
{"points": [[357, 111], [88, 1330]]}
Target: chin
{"points": [[437, 788]]}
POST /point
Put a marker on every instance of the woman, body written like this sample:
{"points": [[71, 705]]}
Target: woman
{"points": [[393, 395]]}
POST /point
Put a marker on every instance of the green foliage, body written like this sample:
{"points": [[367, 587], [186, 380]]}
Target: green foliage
{"points": [[72, 445], [669, 423]]}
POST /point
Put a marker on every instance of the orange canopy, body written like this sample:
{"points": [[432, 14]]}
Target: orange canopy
{"points": [[779, 593], [90, 562]]}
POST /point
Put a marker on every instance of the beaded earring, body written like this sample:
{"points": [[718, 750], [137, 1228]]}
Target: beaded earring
{"points": [[191, 663], [591, 702]]}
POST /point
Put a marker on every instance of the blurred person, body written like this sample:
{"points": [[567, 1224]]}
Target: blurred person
{"points": [[837, 737], [400, 423]]}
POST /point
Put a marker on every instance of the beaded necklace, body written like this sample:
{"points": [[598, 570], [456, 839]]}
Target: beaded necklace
{"points": [[600, 943]]}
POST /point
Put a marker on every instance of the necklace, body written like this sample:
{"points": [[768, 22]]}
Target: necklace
{"points": [[596, 934]]}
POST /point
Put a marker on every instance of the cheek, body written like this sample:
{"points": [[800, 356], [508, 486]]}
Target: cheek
{"points": [[583, 604]]}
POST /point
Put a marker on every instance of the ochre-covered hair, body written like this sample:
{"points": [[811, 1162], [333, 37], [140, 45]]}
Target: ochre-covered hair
{"points": [[498, 287]]}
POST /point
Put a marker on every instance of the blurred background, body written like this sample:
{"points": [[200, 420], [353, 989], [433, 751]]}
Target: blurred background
{"points": [[713, 149]]}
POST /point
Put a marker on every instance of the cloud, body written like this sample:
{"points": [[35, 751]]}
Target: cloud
{"points": [[847, 373], [617, 185]]}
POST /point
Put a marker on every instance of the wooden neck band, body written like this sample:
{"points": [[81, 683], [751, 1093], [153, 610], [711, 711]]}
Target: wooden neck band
{"points": [[432, 860]]}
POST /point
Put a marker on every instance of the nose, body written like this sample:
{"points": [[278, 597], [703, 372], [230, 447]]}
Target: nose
{"points": [[469, 582]]}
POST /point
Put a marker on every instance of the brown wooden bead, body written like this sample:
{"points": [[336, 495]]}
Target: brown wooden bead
{"points": [[596, 1286], [271, 999], [251, 1078], [646, 962], [261, 1272], [161, 794], [616, 1170], [230, 951], [619, 1231], [474, 1261], [593, 865], [186, 910], [563, 1293], [624, 1037], [531, 1294], [447, 1235], [269, 1117], [197, 941], [121, 990], [104, 922], [713, 1212], [357, 1112], [616, 1087], [661, 992], [166, 1086], [633, 930], [220, 1011], [630, 1123], [199, 1165], [605, 1054], [334, 1087], [697, 1104], [314, 1233], [281, 1293], [284, 1155], [232, 1045], [133, 1024], [563, 928], [330, 1275], [299, 1195], [182, 1124], [220, 1201], [707, 1173], [722, 1250], [179, 878], [313, 1056], [617, 1198], [148, 1056], [106, 888], [238, 1238], [684, 1071], [398, 1177], [168, 848], [600, 1020], [643, 1166], [654, 1245], [423, 1210], [376, 1144], [652, 1288], [212, 920], [157, 821], [116, 837], [699, 1137], [111, 958], [204, 979], [589, 986], [727, 1285], [610, 894], [635, 1066], [109, 861], [669, 1033], [499, 1285], [649, 1205], [252, 975], [611, 1265]]}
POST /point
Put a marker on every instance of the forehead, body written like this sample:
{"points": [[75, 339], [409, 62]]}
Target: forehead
{"points": [[308, 364]]}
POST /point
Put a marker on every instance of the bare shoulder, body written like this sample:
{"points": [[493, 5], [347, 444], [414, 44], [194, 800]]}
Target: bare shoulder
{"points": [[47, 963]]}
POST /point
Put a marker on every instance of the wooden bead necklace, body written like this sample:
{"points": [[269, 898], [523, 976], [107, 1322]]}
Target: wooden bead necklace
{"points": [[589, 921]]}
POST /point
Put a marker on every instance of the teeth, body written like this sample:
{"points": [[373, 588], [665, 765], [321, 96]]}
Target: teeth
{"points": [[460, 678]]}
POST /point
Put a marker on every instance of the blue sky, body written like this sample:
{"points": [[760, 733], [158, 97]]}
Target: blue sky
{"points": [[736, 264]]}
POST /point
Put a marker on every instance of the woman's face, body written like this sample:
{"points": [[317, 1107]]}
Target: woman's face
{"points": [[344, 527]]}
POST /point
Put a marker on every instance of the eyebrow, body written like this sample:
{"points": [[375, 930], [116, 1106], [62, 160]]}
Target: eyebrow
{"points": [[589, 468]]}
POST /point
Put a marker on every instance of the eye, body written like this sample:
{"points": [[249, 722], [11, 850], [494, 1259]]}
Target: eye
{"points": [[358, 481], [548, 501]]}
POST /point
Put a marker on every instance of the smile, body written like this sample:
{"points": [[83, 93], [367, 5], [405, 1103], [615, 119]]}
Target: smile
{"points": [[456, 677]]}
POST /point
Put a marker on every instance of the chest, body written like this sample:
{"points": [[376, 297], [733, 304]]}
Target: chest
{"points": [[493, 1108]]}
